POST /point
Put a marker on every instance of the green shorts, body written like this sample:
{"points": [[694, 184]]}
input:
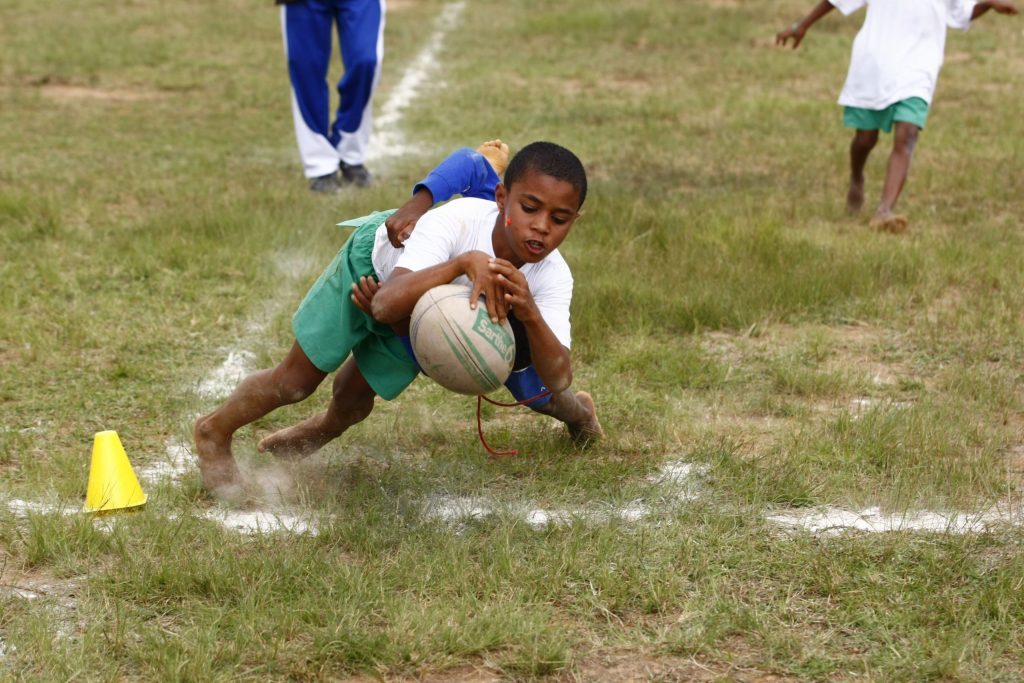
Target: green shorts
{"points": [[911, 110], [328, 326]]}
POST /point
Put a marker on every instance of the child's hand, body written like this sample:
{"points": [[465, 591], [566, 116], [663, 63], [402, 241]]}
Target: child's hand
{"points": [[1003, 6], [476, 266], [794, 33], [517, 290], [363, 293], [402, 222]]}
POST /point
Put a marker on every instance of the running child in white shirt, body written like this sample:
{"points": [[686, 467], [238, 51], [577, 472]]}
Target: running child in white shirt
{"points": [[894, 66]]}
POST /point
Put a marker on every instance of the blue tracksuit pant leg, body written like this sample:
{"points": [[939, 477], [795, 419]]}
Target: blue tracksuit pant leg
{"points": [[307, 27]]}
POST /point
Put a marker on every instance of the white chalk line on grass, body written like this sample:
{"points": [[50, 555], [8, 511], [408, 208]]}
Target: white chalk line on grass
{"points": [[246, 522], [225, 377], [262, 522], [860, 406], [22, 430], [674, 482], [239, 361], [388, 139], [679, 480], [831, 521], [177, 462]]}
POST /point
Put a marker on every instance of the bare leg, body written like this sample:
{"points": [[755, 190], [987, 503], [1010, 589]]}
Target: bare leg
{"points": [[496, 152], [351, 403], [578, 413], [904, 140], [863, 142], [292, 380]]}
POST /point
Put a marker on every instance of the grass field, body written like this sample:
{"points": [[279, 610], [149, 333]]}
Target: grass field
{"points": [[754, 352]]}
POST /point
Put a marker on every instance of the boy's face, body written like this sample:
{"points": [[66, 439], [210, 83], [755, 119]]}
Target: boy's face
{"points": [[536, 213]]}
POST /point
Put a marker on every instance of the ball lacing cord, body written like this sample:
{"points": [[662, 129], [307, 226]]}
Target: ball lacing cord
{"points": [[480, 423]]}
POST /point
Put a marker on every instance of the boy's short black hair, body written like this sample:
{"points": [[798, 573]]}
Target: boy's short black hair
{"points": [[549, 159]]}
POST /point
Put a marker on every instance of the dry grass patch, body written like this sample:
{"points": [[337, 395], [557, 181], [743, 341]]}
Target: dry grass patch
{"points": [[39, 587], [634, 667], [400, 5], [73, 93], [1015, 454], [77, 93], [37, 583], [884, 358], [752, 435]]}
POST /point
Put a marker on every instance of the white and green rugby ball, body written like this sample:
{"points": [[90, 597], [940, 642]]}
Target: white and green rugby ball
{"points": [[458, 347]]}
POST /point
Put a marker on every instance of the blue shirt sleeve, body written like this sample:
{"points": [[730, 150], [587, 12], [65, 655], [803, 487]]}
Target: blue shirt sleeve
{"points": [[465, 172]]}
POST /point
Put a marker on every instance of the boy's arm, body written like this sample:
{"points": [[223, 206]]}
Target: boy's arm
{"points": [[796, 31], [1001, 6], [464, 172], [394, 300]]}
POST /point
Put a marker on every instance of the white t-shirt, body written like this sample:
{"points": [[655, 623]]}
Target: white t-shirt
{"points": [[464, 225], [898, 52]]}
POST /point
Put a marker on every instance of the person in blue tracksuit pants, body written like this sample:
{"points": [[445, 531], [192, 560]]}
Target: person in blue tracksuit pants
{"points": [[329, 147]]}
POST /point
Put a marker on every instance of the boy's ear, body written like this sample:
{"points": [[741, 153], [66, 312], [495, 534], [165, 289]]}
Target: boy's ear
{"points": [[500, 196]]}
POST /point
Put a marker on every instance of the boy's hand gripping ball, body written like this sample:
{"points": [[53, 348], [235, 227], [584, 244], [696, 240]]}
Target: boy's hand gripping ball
{"points": [[458, 347]]}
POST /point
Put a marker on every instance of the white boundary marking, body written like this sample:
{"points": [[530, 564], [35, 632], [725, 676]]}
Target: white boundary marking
{"points": [[262, 521], [178, 462], [223, 380], [831, 521], [676, 481], [388, 140]]}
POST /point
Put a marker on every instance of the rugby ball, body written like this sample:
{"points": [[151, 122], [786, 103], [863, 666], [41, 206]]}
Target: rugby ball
{"points": [[458, 347]]}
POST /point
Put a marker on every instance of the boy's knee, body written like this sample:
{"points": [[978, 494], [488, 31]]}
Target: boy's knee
{"points": [[865, 139], [293, 390], [292, 385], [204, 428], [352, 408], [906, 136]]}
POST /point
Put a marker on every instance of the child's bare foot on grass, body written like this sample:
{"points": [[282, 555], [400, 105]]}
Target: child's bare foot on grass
{"points": [[220, 473], [295, 442], [588, 430], [887, 221], [855, 196], [496, 152]]}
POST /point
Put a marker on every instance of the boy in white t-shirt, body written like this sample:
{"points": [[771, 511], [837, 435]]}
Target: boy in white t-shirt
{"points": [[506, 249], [894, 66]]}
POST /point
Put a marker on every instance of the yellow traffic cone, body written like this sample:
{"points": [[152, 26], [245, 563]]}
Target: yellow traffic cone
{"points": [[112, 482]]}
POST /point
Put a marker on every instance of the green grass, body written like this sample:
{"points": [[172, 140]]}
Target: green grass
{"points": [[726, 313]]}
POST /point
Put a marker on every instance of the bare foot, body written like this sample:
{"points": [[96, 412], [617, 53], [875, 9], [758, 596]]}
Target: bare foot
{"points": [[855, 196], [220, 473], [889, 222], [496, 152], [295, 442], [587, 430]]}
